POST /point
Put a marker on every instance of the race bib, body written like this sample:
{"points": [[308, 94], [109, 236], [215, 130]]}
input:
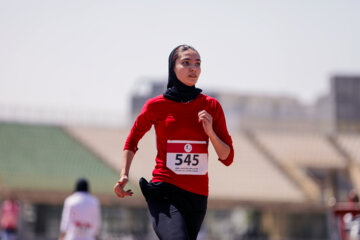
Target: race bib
{"points": [[187, 157]]}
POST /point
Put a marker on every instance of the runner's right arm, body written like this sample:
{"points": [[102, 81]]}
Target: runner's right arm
{"points": [[128, 156]]}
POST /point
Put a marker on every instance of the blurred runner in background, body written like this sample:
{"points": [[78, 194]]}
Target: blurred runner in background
{"points": [[81, 214], [10, 212]]}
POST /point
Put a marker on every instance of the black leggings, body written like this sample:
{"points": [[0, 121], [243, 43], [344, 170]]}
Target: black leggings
{"points": [[176, 214]]}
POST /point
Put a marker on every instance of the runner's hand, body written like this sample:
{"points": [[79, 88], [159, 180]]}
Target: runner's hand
{"points": [[119, 188], [206, 119]]}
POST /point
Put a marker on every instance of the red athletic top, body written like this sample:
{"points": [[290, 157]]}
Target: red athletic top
{"points": [[179, 121]]}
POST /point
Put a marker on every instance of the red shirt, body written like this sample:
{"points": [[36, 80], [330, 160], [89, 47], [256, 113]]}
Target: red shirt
{"points": [[179, 121]]}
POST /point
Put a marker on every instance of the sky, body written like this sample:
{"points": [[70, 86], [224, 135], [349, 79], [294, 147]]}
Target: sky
{"points": [[88, 55]]}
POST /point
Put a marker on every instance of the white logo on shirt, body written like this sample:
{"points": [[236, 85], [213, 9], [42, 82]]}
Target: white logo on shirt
{"points": [[188, 147]]}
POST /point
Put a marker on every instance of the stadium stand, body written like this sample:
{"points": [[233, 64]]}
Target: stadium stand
{"points": [[41, 164], [306, 149]]}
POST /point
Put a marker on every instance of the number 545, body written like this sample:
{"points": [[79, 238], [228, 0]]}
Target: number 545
{"points": [[192, 159]]}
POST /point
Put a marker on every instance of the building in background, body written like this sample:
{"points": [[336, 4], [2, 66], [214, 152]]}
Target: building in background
{"points": [[254, 111], [345, 97], [145, 89]]}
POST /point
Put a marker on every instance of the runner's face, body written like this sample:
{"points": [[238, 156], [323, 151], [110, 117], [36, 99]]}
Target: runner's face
{"points": [[187, 67]]}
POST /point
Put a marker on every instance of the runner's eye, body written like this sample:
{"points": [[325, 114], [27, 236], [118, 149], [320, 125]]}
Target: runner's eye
{"points": [[186, 63]]}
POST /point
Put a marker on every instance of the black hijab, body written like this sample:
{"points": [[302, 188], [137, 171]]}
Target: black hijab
{"points": [[176, 90], [81, 185]]}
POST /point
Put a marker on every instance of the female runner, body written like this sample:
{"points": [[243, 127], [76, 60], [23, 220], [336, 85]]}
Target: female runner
{"points": [[185, 120]]}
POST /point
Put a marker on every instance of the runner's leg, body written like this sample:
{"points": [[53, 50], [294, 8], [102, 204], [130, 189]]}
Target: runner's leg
{"points": [[167, 220]]}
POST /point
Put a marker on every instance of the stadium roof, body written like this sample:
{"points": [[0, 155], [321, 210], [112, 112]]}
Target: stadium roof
{"points": [[308, 149], [42, 164]]}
